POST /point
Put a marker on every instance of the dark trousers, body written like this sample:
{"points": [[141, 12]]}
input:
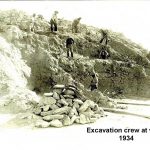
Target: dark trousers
{"points": [[70, 49], [93, 87], [103, 57], [53, 26]]}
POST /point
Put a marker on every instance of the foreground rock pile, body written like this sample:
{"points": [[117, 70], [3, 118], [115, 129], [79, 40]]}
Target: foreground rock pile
{"points": [[63, 107]]}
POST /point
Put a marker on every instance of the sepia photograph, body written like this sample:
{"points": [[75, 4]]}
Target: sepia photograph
{"points": [[74, 75]]}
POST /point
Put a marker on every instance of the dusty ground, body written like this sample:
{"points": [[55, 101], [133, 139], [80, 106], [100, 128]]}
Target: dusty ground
{"points": [[26, 137]]}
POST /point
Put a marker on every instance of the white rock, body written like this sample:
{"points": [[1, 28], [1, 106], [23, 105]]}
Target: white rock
{"points": [[56, 123], [62, 110], [58, 105], [42, 124], [52, 117], [73, 119], [37, 111], [49, 101], [96, 116], [48, 94], [61, 97], [56, 96], [62, 101], [77, 120], [58, 91], [92, 120], [69, 101], [47, 113], [86, 104], [83, 107], [66, 121], [73, 112], [69, 92], [84, 119], [99, 110], [76, 105], [59, 86], [88, 112], [78, 101], [54, 106], [72, 88], [91, 103], [68, 96], [46, 107]]}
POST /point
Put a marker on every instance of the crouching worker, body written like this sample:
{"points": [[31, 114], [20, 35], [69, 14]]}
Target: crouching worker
{"points": [[69, 46], [104, 54], [94, 82], [53, 21]]}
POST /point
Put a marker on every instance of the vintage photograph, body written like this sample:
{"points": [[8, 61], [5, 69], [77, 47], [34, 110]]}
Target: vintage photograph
{"points": [[74, 71]]}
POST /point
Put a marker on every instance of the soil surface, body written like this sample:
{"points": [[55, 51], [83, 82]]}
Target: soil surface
{"points": [[21, 134]]}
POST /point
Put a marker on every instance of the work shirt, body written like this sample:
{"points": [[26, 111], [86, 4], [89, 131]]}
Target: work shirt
{"points": [[76, 22], [54, 17], [69, 41]]}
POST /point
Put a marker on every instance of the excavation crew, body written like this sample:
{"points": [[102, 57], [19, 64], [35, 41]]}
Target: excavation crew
{"points": [[104, 39], [69, 46], [104, 54], [54, 21], [75, 25], [94, 82]]}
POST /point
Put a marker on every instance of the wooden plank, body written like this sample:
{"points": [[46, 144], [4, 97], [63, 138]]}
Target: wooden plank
{"points": [[133, 103], [124, 112]]}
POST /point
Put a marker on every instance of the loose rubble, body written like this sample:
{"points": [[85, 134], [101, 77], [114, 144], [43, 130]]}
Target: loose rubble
{"points": [[62, 107]]}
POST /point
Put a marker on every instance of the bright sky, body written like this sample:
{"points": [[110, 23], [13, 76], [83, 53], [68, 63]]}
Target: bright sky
{"points": [[132, 18]]}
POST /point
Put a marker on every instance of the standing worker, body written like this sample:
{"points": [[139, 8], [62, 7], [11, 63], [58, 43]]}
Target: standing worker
{"points": [[94, 82], [32, 25], [54, 21], [69, 46], [75, 25]]}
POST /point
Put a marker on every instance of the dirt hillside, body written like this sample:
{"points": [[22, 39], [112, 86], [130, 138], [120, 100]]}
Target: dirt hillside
{"points": [[32, 62]]}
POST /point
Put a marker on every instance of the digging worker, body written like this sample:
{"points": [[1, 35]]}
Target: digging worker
{"points": [[104, 54], [69, 46], [75, 25], [54, 21], [32, 25], [104, 39], [94, 82]]}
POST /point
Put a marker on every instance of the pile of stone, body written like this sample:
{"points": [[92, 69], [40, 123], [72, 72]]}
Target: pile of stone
{"points": [[63, 107]]}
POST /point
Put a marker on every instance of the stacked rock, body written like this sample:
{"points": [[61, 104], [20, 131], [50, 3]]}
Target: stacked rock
{"points": [[62, 107]]}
